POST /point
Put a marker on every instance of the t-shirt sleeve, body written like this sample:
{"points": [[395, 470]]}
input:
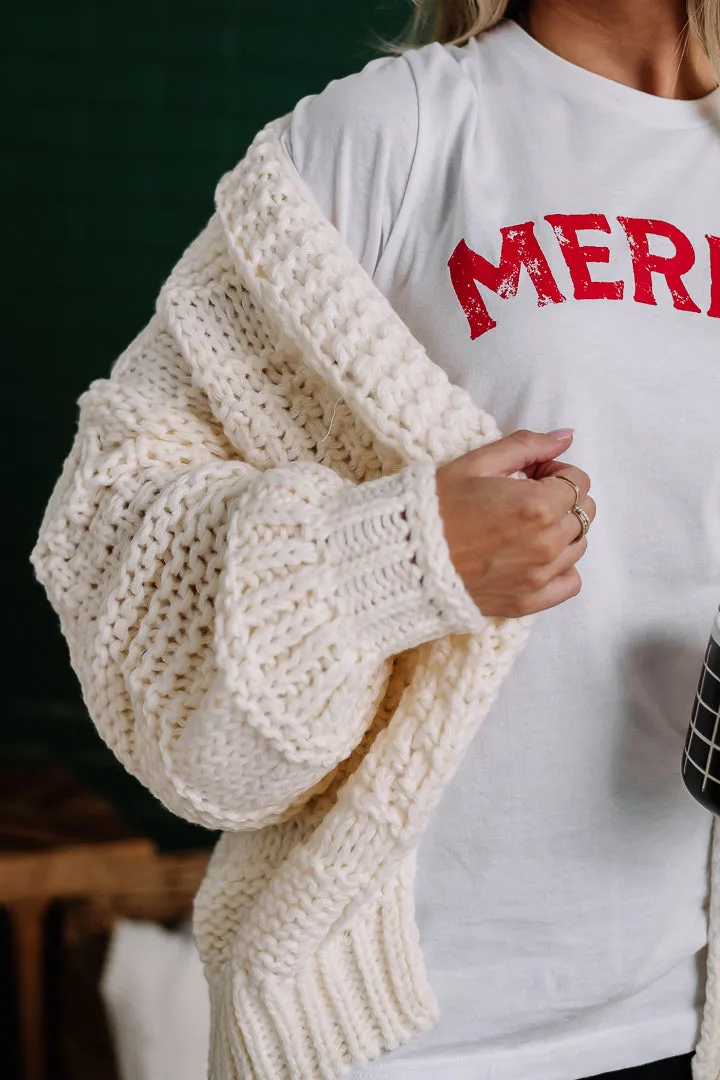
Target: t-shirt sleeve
{"points": [[353, 145]]}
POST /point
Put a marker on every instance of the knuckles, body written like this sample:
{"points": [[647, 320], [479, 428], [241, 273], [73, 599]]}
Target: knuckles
{"points": [[536, 578], [524, 436], [534, 509], [545, 549]]}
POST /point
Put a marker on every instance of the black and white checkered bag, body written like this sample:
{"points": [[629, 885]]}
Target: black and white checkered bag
{"points": [[701, 756]]}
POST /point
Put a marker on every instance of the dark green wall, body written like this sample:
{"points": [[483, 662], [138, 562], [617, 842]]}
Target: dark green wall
{"points": [[120, 118]]}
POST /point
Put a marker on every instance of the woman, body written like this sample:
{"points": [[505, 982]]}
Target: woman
{"points": [[536, 196]]}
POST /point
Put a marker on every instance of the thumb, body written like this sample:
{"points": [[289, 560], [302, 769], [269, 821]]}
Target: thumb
{"points": [[520, 451]]}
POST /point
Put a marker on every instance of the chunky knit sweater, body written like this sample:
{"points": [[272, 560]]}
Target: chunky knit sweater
{"points": [[247, 558]]}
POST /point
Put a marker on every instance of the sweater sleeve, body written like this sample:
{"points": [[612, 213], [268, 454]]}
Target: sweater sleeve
{"points": [[232, 626]]}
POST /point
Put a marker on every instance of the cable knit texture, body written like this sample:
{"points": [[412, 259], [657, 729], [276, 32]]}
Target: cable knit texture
{"points": [[247, 558]]}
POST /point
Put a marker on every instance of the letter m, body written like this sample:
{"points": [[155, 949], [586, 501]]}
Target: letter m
{"points": [[468, 270]]}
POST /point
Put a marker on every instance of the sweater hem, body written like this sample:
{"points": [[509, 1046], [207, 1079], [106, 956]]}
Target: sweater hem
{"points": [[362, 992]]}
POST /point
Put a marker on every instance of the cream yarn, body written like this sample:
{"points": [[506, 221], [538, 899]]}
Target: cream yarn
{"points": [[248, 562]]}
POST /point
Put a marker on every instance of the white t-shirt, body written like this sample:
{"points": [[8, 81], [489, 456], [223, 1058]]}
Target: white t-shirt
{"points": [[553, 238]]}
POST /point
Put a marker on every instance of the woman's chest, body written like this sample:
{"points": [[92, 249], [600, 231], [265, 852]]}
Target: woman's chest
{"points": [[608, 322]]}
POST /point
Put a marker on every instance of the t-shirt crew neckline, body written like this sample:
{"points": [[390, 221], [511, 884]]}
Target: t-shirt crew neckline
{"points": [[578, 81]]}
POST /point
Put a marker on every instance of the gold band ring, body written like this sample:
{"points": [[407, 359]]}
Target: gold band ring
{"points": [[584, 521], [573, 485]]}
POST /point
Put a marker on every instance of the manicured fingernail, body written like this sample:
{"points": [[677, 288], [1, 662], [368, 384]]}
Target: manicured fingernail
{"points": [[562, 432]]}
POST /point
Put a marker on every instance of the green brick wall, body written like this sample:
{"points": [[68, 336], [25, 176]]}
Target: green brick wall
{"points": [[119, 119]]}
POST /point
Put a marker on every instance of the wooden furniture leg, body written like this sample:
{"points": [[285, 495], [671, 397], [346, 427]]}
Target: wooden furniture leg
{"points": [[28, 925]]}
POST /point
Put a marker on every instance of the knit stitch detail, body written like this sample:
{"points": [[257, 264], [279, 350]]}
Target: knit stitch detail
{"points": [[247, 559], [364, 992], [396, 580]]}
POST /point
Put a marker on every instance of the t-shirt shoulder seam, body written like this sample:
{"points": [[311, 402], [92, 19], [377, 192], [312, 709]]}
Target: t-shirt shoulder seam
{"points": [[410, 169], [417, 139]]}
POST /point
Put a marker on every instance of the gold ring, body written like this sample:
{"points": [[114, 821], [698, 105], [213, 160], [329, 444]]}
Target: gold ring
{"points": [[584, 521], [573, 485]]}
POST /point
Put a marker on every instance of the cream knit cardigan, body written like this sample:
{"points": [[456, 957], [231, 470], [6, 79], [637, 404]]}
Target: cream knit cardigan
{"points": [[247, 558]]}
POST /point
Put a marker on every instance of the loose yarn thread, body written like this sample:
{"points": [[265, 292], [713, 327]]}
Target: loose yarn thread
{"points": [[331, 420]]}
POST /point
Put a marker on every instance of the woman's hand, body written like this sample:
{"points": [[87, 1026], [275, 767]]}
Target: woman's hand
{"points": [[512, 542]]}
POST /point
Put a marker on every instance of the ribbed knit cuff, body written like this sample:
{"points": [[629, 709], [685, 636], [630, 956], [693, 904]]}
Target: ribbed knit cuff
{"points": [[396, 581], [361, 993]]}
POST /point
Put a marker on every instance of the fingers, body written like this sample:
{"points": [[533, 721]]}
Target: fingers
{"points": [[518, 452], [552, 541], [560, 589], [561, 494], [569, 526], [556, 552], [565, 561]]}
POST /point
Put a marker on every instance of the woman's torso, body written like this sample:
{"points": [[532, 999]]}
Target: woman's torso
{"points": [[561, 884]]}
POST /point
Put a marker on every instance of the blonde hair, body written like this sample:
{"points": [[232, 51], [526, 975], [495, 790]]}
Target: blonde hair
{"points": [[455, 22]]}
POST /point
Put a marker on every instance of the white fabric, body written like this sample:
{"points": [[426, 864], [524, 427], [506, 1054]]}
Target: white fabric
{"points": [[246, 556], [156, 997], [562, 884]]}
